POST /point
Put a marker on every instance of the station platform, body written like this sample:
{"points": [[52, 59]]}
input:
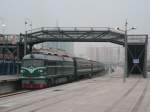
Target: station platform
{"points": [[7, 78], [101, 94], [8, 83]]}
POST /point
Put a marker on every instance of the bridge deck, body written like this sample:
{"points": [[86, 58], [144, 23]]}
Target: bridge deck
{"points": [[103, 94]]}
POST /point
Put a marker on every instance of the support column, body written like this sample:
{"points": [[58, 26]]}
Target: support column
{"points": [[30, 48], [126, 49], [18, 58], [25, 44], [145, 68]]}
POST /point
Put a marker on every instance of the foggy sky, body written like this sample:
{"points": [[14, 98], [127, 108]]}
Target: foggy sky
{"points": [[75, 13], [109, 13]]}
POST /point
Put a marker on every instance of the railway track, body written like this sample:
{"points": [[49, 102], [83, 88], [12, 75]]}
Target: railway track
{"points": [[139, 101], [122, 97], [25, 91], [52, 98], [14, 93], [76, 91]]}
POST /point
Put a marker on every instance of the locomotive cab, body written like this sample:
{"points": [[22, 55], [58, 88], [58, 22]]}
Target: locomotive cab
{"points": [[44, 70], [33, 73]]}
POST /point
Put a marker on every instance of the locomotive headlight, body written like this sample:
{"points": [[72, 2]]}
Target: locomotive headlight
{"points": [[41, 71], [21, 71]]}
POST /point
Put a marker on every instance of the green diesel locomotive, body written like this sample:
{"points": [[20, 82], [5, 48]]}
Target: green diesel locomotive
{"points": [[41, 70]]}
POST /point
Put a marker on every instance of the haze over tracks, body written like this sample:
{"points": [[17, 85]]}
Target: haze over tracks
{"points": [[101, 94]]}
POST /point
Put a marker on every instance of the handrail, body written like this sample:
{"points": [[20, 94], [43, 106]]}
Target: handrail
{"points": [[74, 29]]}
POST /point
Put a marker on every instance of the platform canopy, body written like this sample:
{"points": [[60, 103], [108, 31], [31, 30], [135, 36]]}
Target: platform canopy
{"points": [[73, 34]]}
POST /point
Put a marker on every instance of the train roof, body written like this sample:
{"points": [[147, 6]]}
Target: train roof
{"points": [[79, 58], [86, 60], [47, 57], [52, 51]]}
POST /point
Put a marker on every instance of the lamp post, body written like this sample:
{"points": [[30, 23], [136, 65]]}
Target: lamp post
{"points": [[2, 25], [27, 22], [126, 48]]}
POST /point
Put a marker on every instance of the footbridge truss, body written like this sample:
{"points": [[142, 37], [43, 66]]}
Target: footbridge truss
{"points": [[73, 34]]}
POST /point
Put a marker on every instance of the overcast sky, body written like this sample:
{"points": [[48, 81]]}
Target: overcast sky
{"points": [[78, 13], [109, 13]]}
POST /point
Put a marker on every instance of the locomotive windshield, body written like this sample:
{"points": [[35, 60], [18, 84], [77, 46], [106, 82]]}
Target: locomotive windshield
{"points": [[33, 63]]}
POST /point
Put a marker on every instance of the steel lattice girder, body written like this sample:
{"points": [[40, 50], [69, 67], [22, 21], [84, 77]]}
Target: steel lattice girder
{"points": [[80, 34]]}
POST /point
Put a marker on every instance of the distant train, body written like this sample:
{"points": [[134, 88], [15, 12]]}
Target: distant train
{"points": [[41, 70]]}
